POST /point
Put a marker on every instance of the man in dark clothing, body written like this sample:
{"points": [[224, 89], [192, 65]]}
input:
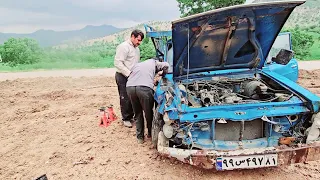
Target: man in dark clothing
{"points": [[140, 91], [127, 55]]}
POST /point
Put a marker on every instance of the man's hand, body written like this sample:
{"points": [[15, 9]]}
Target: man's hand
{"points": [[157, 78], [164, 71], [129, 75]]}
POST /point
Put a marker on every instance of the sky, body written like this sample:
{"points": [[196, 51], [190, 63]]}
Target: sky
{"points": [[26, 16]]}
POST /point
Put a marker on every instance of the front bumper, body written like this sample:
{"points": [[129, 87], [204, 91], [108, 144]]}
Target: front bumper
{"points": [[207, 158]]}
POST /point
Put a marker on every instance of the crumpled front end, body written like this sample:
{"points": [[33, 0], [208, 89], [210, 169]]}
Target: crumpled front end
{"points": [[244, 124], [244, 158]]}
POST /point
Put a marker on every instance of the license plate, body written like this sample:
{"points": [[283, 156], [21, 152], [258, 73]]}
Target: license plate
{"points": [[246, 162]]}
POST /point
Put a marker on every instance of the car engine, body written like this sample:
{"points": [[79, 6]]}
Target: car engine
{"points": [[232, 91]]}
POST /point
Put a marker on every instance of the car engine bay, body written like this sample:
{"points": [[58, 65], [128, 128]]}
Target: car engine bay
{"points": [[203, 93], [216, 91]]}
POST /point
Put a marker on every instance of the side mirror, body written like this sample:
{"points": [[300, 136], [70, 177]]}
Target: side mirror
{"points": [[283, 57]]}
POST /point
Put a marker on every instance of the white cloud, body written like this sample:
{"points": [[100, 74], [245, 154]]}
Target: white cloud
{"points": [[31, 15], [105, 5], [9, 16]]}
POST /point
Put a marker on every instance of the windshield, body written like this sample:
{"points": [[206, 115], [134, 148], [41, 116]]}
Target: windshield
{"points": [[170, 59], [163, 47], [282, 41]]}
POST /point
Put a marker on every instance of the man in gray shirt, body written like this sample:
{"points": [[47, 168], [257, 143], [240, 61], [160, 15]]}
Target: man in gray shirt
{"points": [[140, 91], [127, 55]]}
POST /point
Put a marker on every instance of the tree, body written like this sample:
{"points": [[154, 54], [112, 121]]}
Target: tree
{"points": [[1, 51], [301, 43], [189, 7], [20, 51], [147, 49]]}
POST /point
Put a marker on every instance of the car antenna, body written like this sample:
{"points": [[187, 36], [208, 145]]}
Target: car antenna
{"points": [[188, 58], [188, 53]]}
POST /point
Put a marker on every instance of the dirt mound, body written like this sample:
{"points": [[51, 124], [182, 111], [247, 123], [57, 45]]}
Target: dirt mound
{"points": [[310, 80], [304, 74], [58, 95]]}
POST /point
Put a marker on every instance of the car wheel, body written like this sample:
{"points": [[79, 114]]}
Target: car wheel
{"points": [[162, 141], [157, 124], [314, 130]]}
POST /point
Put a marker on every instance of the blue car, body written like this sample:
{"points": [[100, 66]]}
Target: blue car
{"points": [[231, 100]]}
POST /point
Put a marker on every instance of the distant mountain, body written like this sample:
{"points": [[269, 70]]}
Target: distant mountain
{"points": [[47, 38], [306, 15], [119, 36], [303, 16]]}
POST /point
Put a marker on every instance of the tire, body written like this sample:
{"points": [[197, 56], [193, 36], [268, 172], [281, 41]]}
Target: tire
{"points": [[157, 125], [162, 140]]}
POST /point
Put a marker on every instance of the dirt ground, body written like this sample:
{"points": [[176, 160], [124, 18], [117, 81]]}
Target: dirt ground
{"points": [[50, 126]]}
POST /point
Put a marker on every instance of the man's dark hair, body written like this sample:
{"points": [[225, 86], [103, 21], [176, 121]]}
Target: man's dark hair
{"points": [[137, 33]]}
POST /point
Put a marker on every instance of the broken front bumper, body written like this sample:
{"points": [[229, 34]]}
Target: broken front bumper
{"points": [[207, 158]]}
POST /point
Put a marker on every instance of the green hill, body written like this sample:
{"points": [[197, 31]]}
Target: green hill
{"points": [[306, 15], [47, 38]]}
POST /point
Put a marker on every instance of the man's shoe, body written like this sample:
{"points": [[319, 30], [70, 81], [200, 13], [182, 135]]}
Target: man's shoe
{"points": [[140, 141], [133, 122], [127, 124]]}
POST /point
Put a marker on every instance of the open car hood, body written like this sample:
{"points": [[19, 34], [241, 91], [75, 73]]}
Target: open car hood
{"points": [[228, 38]]}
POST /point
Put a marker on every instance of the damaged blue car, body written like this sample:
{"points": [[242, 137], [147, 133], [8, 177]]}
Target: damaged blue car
{"points": [[230, 100]]}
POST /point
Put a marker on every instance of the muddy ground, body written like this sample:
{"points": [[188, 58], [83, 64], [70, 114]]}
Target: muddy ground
{"points": [[50, 126]]}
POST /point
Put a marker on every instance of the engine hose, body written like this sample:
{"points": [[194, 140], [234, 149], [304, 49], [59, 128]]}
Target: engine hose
{"points": [[275, 90]]}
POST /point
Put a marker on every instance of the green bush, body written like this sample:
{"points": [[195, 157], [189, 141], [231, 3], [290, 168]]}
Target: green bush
{"points": [[301, 43], [147, 50], [20, 51]]}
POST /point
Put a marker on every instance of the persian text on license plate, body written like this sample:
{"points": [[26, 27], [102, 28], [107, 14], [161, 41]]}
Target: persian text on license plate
{"points": [[245, 162]]}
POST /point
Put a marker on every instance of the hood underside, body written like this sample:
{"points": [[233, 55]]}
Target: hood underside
{"points": [[228, 38]]}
